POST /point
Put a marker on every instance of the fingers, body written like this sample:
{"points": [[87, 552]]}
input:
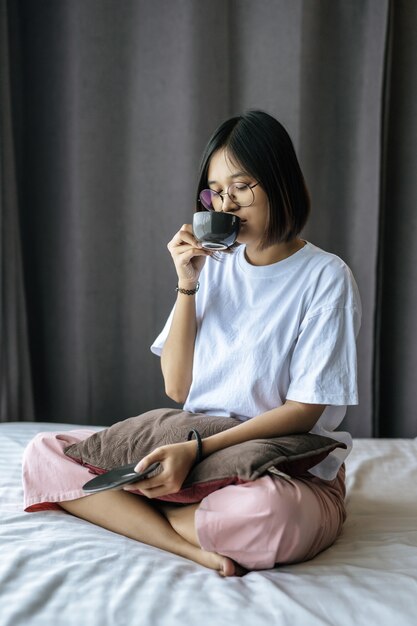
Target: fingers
{"points": [[182, 237], [158, 492], [188, 255], [175, 461], [144, 486], [185, 256], [159, 485], [153, 457]]}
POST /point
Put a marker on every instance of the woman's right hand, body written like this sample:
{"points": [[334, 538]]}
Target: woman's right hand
{"points": [[188, 256]]}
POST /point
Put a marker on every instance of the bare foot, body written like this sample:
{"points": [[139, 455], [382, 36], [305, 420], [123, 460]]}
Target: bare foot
{"points": [[231, 568], [225, 566], [182, 521]]}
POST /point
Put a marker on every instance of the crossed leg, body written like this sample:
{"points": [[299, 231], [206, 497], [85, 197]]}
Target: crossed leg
{"points": [[161, 525]]}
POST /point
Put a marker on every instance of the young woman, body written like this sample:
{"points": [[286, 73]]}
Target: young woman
{"points": [[266, 334]]}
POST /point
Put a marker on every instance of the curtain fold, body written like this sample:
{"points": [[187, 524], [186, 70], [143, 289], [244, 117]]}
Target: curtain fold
{"points": [[342, 85], [16, 396], [105, 126], [396, 415]]}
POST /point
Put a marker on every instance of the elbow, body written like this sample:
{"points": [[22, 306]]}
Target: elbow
{"points": [[176, 394], [177, 383]]}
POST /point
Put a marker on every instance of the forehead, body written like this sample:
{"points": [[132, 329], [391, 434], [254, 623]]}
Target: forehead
{"points": [[223, 166]]}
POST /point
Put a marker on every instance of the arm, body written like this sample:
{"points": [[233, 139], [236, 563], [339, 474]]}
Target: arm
{"points": [[178, 458], [290, 418], [178, 351]]}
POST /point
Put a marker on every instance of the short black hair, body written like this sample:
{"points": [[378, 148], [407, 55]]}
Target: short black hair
{"points": [[262, 146]]}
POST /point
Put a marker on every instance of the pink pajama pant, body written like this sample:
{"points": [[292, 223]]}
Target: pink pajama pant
{"points": [[270, 521]]}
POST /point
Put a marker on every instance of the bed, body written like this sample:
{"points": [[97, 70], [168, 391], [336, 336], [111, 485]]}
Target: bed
{"points": [[61, 570]]}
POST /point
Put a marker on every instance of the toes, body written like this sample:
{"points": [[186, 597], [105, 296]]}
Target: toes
{"points": [[230, 568]]}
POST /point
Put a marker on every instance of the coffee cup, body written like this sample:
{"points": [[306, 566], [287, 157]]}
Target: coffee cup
{"points": [[215, 230]]}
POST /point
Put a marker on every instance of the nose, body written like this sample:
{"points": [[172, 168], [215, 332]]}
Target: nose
{"points": [[228, 205]]}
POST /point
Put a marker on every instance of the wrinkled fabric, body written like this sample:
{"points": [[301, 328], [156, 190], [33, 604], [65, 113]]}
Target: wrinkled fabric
{"points": [[273, 520], [51, 561]]}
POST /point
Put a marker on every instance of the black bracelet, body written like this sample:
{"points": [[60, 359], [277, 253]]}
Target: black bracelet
{"points": [[188, 292], [199, 444]]}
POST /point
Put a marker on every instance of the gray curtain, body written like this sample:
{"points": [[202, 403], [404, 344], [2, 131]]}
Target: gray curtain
{"points": [[16, 394], [106, 107]]}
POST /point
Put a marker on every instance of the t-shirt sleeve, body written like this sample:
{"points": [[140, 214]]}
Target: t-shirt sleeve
{"points": [[158, 344], [323, 368]]}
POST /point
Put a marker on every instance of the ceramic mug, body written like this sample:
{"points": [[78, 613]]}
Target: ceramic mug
{"points": [[215, 230]]}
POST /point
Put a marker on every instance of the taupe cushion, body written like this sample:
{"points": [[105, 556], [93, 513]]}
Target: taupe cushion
{"points": [[130, 440]]}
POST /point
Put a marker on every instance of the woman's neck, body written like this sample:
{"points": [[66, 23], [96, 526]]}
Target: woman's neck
{"points": [[273, 254]]}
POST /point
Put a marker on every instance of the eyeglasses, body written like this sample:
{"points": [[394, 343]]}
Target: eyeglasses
{"points": [[239, 193]]}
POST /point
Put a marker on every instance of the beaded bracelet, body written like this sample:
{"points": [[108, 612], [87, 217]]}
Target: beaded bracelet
{"points": [[188, 292], [199, 444]]}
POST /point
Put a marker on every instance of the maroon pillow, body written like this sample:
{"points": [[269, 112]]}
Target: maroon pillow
{"points": [[130, 440]]}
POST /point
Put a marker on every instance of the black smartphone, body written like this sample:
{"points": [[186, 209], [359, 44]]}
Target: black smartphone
{"points": [[117, 477]]}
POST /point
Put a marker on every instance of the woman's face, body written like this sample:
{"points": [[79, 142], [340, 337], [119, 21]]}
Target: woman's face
{"points": [[222, 172]]}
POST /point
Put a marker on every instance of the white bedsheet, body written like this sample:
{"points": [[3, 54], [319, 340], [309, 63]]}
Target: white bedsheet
{"points": [[56, 569]]}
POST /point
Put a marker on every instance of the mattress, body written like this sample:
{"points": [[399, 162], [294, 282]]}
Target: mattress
{"points": [[58, 569]]}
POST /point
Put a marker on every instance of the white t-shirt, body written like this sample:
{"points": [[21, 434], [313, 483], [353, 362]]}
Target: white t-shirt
{"points": [[270, 333]]}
